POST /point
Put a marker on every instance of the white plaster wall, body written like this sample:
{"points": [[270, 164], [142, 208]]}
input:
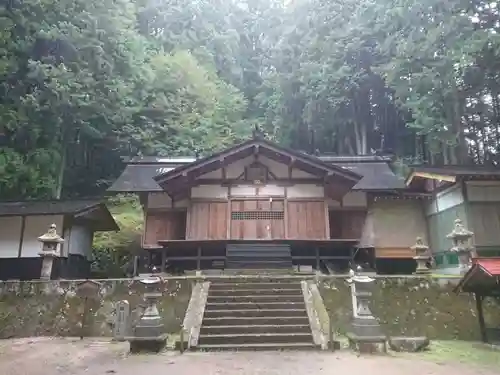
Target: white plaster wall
{"points": [[444, 200], [78, 240], [305, 191], [10, 234], [243, 191], [159, 200], [234, 170], [333, 203], [280, 170], [483, 191], [271, 190], [214, 174], [355, 199], [209, 191], [297, 173], [162, 200], [36, 226]]}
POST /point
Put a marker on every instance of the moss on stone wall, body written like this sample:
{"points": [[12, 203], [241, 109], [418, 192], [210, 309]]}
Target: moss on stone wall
{"points": [[36, 308], [413, 307]]}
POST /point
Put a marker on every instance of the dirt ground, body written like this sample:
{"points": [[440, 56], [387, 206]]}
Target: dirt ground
{"points": [[54, 356]]}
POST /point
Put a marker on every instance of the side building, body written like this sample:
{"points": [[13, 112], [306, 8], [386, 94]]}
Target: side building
{"points": [[260, 205], [21, 223], [468, 193]]}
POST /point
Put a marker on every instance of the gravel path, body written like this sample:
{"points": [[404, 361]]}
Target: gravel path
{"points": [[46, 356]]}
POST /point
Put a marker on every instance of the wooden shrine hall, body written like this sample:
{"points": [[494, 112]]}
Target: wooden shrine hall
{"points": [[260, 205]]}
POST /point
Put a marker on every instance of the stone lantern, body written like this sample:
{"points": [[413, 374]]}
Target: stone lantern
{"points": [[422, 256], [50, 250], [149, 332], [365, 331], [461, 239]]}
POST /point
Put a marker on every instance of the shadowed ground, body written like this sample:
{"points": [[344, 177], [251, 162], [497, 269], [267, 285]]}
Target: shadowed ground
{"points": [[54, 356]]}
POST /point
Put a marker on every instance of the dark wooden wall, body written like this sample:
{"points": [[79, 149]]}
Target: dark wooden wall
{"points": [[207, 221], [307, 220]]}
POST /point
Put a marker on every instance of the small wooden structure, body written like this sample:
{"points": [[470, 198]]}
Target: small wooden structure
{"points": [[483, 280], [23, 222]]}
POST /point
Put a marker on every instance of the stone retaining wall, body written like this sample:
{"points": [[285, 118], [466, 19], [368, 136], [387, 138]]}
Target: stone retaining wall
{"points": [[405, 306], [37, 308], [413, 307]]}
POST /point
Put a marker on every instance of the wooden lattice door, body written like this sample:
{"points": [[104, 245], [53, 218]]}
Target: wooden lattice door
{"points": [[257, 219]]}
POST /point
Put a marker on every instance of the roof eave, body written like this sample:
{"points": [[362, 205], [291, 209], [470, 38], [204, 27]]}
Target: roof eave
{"points": [[312, 160]]}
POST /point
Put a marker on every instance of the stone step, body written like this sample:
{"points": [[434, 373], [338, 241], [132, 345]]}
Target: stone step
{"points": [[248, 292], [252, 285], [259, 271], [251, 338], [260, 264], [245, 329], [256, 298], [264, 255], [257, 347], [253, 305], [255, 320], [256, 312]]}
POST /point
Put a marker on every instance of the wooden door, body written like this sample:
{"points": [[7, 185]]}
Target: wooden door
{"points": [[207, 221], [307, 220], [257, 219], [162, 226]]}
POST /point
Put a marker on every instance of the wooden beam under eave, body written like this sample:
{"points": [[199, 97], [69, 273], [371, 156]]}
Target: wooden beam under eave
{"points": [[430, 176]]}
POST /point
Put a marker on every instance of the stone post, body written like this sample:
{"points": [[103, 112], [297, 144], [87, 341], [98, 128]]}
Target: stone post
{"points": [[422, 257], [50, 250], [461, 239]]}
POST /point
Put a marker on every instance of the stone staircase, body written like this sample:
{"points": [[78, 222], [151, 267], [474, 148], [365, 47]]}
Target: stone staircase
{"points": [[255, 315]]}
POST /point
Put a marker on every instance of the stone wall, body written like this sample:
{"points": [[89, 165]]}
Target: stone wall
{"points": [[37, 308], [414, 306], [405, 306]]}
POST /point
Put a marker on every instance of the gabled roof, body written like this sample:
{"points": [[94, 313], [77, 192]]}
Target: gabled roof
{"points": [[256, 146], [483, 277], [374, 171], [93, 209]]}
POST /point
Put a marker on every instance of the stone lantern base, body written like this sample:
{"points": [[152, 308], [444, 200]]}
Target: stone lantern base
{"points": [[365, 335], [148, 336], [149, 333], [422, 268]]}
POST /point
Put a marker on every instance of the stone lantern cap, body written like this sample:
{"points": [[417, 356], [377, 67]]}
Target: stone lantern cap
{"points": [[356, 277], [419, 245], [153, 286], [51, 236], [459, 232]]}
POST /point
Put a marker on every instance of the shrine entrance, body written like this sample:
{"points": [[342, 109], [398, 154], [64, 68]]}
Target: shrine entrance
{"points": [[257, 219]]}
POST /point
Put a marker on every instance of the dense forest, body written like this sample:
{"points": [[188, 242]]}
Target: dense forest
{"points": [[84, 82]]}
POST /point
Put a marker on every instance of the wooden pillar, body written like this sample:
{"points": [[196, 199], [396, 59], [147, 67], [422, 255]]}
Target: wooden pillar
{"points": [[163, 260], [198, 259], [316, 249], [480, 315], [135, 272], [149, 267]]}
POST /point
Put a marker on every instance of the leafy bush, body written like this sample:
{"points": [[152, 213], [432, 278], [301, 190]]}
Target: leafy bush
{"points": [[113, 251]]}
